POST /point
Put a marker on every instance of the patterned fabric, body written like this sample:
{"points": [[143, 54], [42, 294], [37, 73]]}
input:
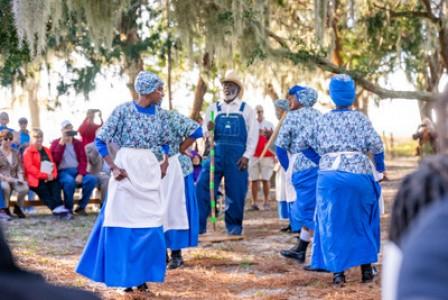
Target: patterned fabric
{"points": [[146, 83], [282, 104], [294, 89], [127, 127], [307, 97], [346, 131], [342, 90], [295, 135], [180, 128]]}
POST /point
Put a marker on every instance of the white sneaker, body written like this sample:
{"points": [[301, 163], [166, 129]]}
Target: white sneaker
{"points": [[60, 210]]}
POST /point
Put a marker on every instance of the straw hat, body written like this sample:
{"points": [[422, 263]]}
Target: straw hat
{"points": [[231, 76]]}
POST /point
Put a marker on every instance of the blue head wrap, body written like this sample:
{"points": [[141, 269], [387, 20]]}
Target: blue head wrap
{"points": [[146, 83], [342, 90], [283, 104], [307, 97], [293, 90]]}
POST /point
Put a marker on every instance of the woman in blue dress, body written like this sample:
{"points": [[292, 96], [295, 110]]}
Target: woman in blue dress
{"points": [[295, 137], [181, 223], [126, 247], [347, 231], [281, 108]]}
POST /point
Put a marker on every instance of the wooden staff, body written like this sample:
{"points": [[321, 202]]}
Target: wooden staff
{"points": [[212, 172]]}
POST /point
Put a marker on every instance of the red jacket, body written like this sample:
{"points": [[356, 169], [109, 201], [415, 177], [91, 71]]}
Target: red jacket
{"points": [[31, 166], [58, 152]]}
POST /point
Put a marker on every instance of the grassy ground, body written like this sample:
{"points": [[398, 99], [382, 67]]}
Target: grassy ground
{"points": [[248, 269]]}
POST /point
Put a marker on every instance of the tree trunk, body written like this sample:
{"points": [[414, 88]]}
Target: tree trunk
{"points": [[199, 92], [132, 64], [31, 88], [425, 109], [270, 91], [169, 60], [201, 88], [132, 71]]}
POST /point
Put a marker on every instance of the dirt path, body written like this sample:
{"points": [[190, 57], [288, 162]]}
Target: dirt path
{"points": [[248, 269]]}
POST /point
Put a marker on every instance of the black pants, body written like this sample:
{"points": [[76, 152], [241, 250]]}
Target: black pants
{"points": [[49, 193]]}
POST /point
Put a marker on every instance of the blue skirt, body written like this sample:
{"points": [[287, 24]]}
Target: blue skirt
{"points": [[123, 257], [293, 219], [283, 210], [347, 230], [179, 239], [305, 206]]}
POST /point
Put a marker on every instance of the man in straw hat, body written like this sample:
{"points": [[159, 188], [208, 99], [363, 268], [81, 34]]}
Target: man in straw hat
{"points": [[236, 137]]}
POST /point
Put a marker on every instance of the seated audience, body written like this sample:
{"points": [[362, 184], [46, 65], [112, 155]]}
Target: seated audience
{"points": [[41, 174], [11, 173], [98, 167], [70, 157], [4, 216], [24, 134]]}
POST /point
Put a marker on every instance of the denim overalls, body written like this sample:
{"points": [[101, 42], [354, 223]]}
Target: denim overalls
{"points": [[230, 144]]}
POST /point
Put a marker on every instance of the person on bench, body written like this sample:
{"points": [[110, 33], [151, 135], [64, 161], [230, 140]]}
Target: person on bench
{"points": [[70, 157], [41, 174], [11, 173], [98, 167]]}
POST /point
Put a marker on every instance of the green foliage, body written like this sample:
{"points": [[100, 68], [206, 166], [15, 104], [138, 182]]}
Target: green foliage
{"points": [[12, 57]]}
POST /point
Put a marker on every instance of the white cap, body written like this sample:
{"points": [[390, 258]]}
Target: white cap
{"points": [[65, 124]]}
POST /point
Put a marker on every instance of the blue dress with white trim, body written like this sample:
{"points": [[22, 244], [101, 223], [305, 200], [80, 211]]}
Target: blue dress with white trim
{"points": [[181, 128], [122, 256], [347, 231], [295, 136]]}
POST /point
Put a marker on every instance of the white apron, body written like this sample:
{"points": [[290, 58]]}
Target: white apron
{"points": [[376, 175], [135, 202], [173, 195], [285, 190], [291, 194]]}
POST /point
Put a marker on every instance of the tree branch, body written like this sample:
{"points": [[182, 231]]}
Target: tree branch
{"points": [[325, 65], [408, 13]]}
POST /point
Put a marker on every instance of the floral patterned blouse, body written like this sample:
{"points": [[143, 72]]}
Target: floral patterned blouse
{"points": [[344, 130], [180, 128], [131, 128], [296, 133]]}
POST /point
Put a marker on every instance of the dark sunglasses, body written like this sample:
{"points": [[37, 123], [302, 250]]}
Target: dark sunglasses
{"points": [[7, 139]]}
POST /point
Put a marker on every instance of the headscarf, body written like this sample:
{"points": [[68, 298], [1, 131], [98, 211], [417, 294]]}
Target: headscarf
{"points": [[283, 104], [147, 82], [294, 89], [307, 97], [342, 90]]}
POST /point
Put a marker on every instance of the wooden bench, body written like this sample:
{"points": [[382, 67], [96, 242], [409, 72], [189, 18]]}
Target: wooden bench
{"points": [[35, 203], [77, 198]]}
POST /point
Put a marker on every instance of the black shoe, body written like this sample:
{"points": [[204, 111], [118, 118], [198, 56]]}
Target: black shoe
{"points": [[143, 288], [18, 212], [286, 229], [176, 260], [309, 268], [367, 273], [297, 255], [128, 290], [339, 279], [7, 211], [297, 252], [81, 211]]}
